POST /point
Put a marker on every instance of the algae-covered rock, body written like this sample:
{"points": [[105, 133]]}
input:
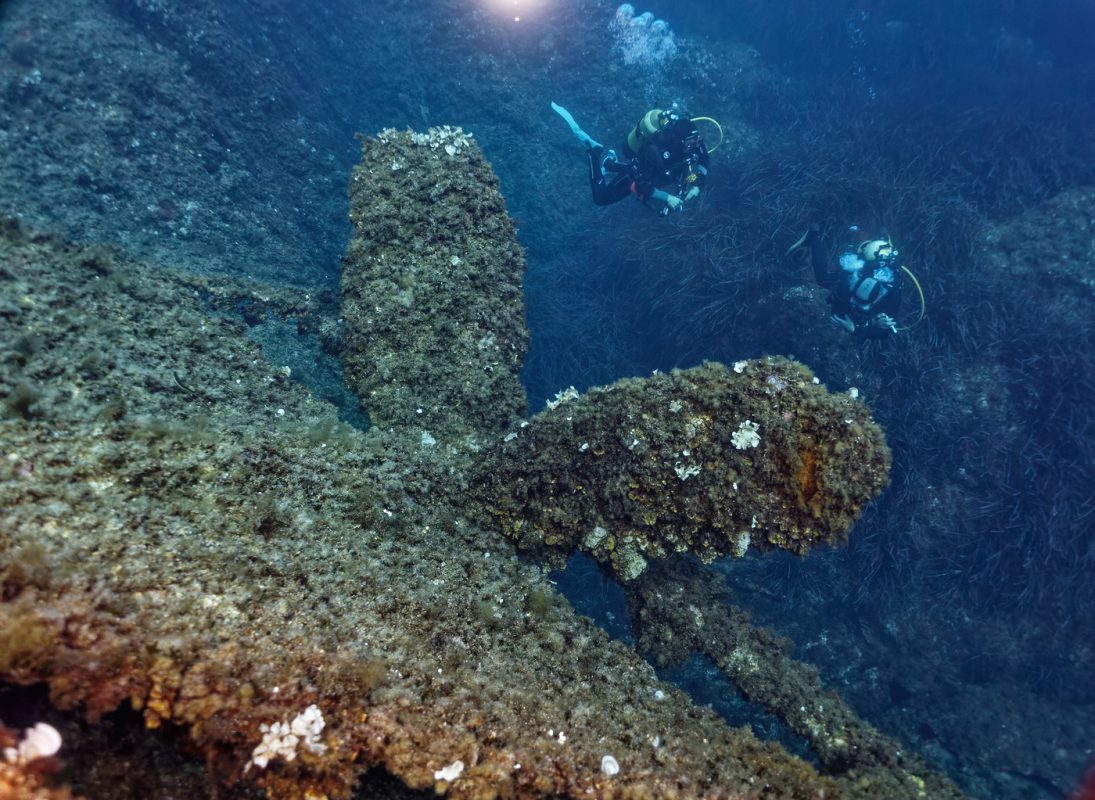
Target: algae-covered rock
{"points": [[431, 287], [182, 531], [709, 460], [679, 609], [175, 537]]}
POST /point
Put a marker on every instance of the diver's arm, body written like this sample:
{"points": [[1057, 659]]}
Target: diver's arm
{"points": [[647, 171], [883, 315], [644, 186], [672, 202], [819, 259]]}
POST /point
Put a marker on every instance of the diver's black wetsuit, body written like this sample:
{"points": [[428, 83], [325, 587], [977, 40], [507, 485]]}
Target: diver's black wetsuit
{"points": [[662, 162], [842, 286], [614, 183]]}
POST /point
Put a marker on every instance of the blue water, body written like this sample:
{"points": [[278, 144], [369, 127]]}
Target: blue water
{"points": [[960, 618]]}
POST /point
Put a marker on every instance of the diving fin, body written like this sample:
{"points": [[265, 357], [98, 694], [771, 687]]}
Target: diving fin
{"points": [[806, 240], [581, 135]]}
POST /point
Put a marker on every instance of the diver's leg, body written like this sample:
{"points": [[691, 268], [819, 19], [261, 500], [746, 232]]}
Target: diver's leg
{"points": [[819, 256], [597, 176], [581, 135], [608, 187], [818, 253]]}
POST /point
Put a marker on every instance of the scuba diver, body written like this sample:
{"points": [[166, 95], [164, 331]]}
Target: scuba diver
{"points": [[865, 293], [663, 158]]}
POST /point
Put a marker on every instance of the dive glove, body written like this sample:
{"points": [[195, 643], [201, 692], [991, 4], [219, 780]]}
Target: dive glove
{"points": [[843, 322], [885, 321], [672, 202]]}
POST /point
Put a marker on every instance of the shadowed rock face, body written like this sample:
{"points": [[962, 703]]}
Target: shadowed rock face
{"points": [[185, 530]]}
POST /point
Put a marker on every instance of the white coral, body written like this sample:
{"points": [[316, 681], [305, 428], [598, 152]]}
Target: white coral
{"points": [[451, 140], [449, 773], [277, 742], [609, 765], [746, 435], [280, 739], [308, 725], [686, 471], [41, 741], [565, 396]]}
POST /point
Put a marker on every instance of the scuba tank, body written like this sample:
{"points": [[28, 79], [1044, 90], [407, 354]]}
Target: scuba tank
{"points": [[650, 123], [657, 118]]}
